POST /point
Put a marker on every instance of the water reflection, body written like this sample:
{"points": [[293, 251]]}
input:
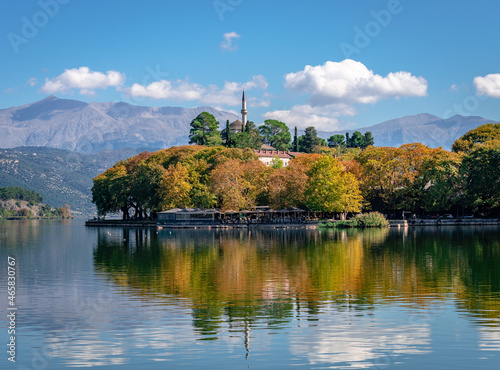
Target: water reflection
{"points": [[261, 298], [248, 277]]}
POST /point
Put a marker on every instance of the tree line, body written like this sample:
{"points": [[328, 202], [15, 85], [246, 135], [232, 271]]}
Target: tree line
{"points": [[337, 179], [19, 193], [205, 131], [32, 208]]}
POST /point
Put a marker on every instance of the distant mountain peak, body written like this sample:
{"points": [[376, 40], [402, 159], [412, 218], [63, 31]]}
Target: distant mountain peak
{"points": [[50, 98], [424, 128], [94, 127]]}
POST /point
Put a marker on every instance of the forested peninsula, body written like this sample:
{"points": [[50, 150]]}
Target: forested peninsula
{"points": [[333, 179], [17, 203]]}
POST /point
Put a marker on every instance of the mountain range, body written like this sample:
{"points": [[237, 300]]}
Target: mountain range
{"points": [[421, 128], [56, 146], [59, 175], [93, 127]]}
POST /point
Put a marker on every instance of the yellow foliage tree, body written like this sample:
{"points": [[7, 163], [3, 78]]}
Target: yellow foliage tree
{"points": [[175, 187], [331, 189]]}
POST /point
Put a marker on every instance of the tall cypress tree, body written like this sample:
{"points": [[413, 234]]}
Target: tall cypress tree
{"points": [[295, 141], [228, 135]]}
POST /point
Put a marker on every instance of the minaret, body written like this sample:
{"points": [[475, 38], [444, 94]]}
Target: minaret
{"points": [[244, 110]]}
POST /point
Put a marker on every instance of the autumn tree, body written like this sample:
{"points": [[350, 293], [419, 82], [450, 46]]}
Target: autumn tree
{"points": [[331, 189], [392, 177], [174, 189], [476, 137], [287, 186], [233, 190], [275, 134], [205, 130]]}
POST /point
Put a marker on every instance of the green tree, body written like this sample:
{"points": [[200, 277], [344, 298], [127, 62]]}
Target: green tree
{"points": [[309, 140], [481, 171], [144, 183], [228, 135], [357, 140], [276, 134], [205, 130], [369, 140], [295, 140], [336, 141], [17, 192], [276, 163], [439, 185], [111, 191], [250, 138]]}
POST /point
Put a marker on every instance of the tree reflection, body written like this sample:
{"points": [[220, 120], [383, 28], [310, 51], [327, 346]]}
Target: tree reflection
{"points": [[245, 278]]}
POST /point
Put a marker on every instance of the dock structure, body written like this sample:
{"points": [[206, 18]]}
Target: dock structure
{"points": [[262, 217], [454, 222], [398, 223], [258, 217]]}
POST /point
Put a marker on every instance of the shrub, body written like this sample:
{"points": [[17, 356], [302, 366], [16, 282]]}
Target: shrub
{"points": [[372, 219], [24, 212]]}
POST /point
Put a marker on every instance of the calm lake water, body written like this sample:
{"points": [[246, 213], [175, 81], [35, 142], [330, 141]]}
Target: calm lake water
{"points": [[418, 298]]}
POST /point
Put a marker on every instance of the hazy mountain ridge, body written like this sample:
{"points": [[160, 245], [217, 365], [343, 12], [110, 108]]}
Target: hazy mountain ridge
{"points": [[93, 127], [60, 176], [421, 128]]}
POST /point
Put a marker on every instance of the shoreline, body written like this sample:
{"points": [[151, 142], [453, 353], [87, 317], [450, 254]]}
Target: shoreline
{"points": [[310, 224]]}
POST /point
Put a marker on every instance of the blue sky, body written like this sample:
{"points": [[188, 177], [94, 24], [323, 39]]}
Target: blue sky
{"points": [[330, 64]]}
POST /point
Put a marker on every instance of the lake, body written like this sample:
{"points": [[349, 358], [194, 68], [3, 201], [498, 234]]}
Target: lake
{"points": [[423, 297]]}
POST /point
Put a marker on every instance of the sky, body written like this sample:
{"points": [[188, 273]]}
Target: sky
{"points": [[330, 64]]}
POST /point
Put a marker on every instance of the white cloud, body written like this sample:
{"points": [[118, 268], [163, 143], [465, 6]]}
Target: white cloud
{"points": [[230, 94], [322, 118], [84, 79], [183, 90], [488, 85], [361, 344], [86, 82], [10, 90], [32, 81], [227, 44], [351, 82]]}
